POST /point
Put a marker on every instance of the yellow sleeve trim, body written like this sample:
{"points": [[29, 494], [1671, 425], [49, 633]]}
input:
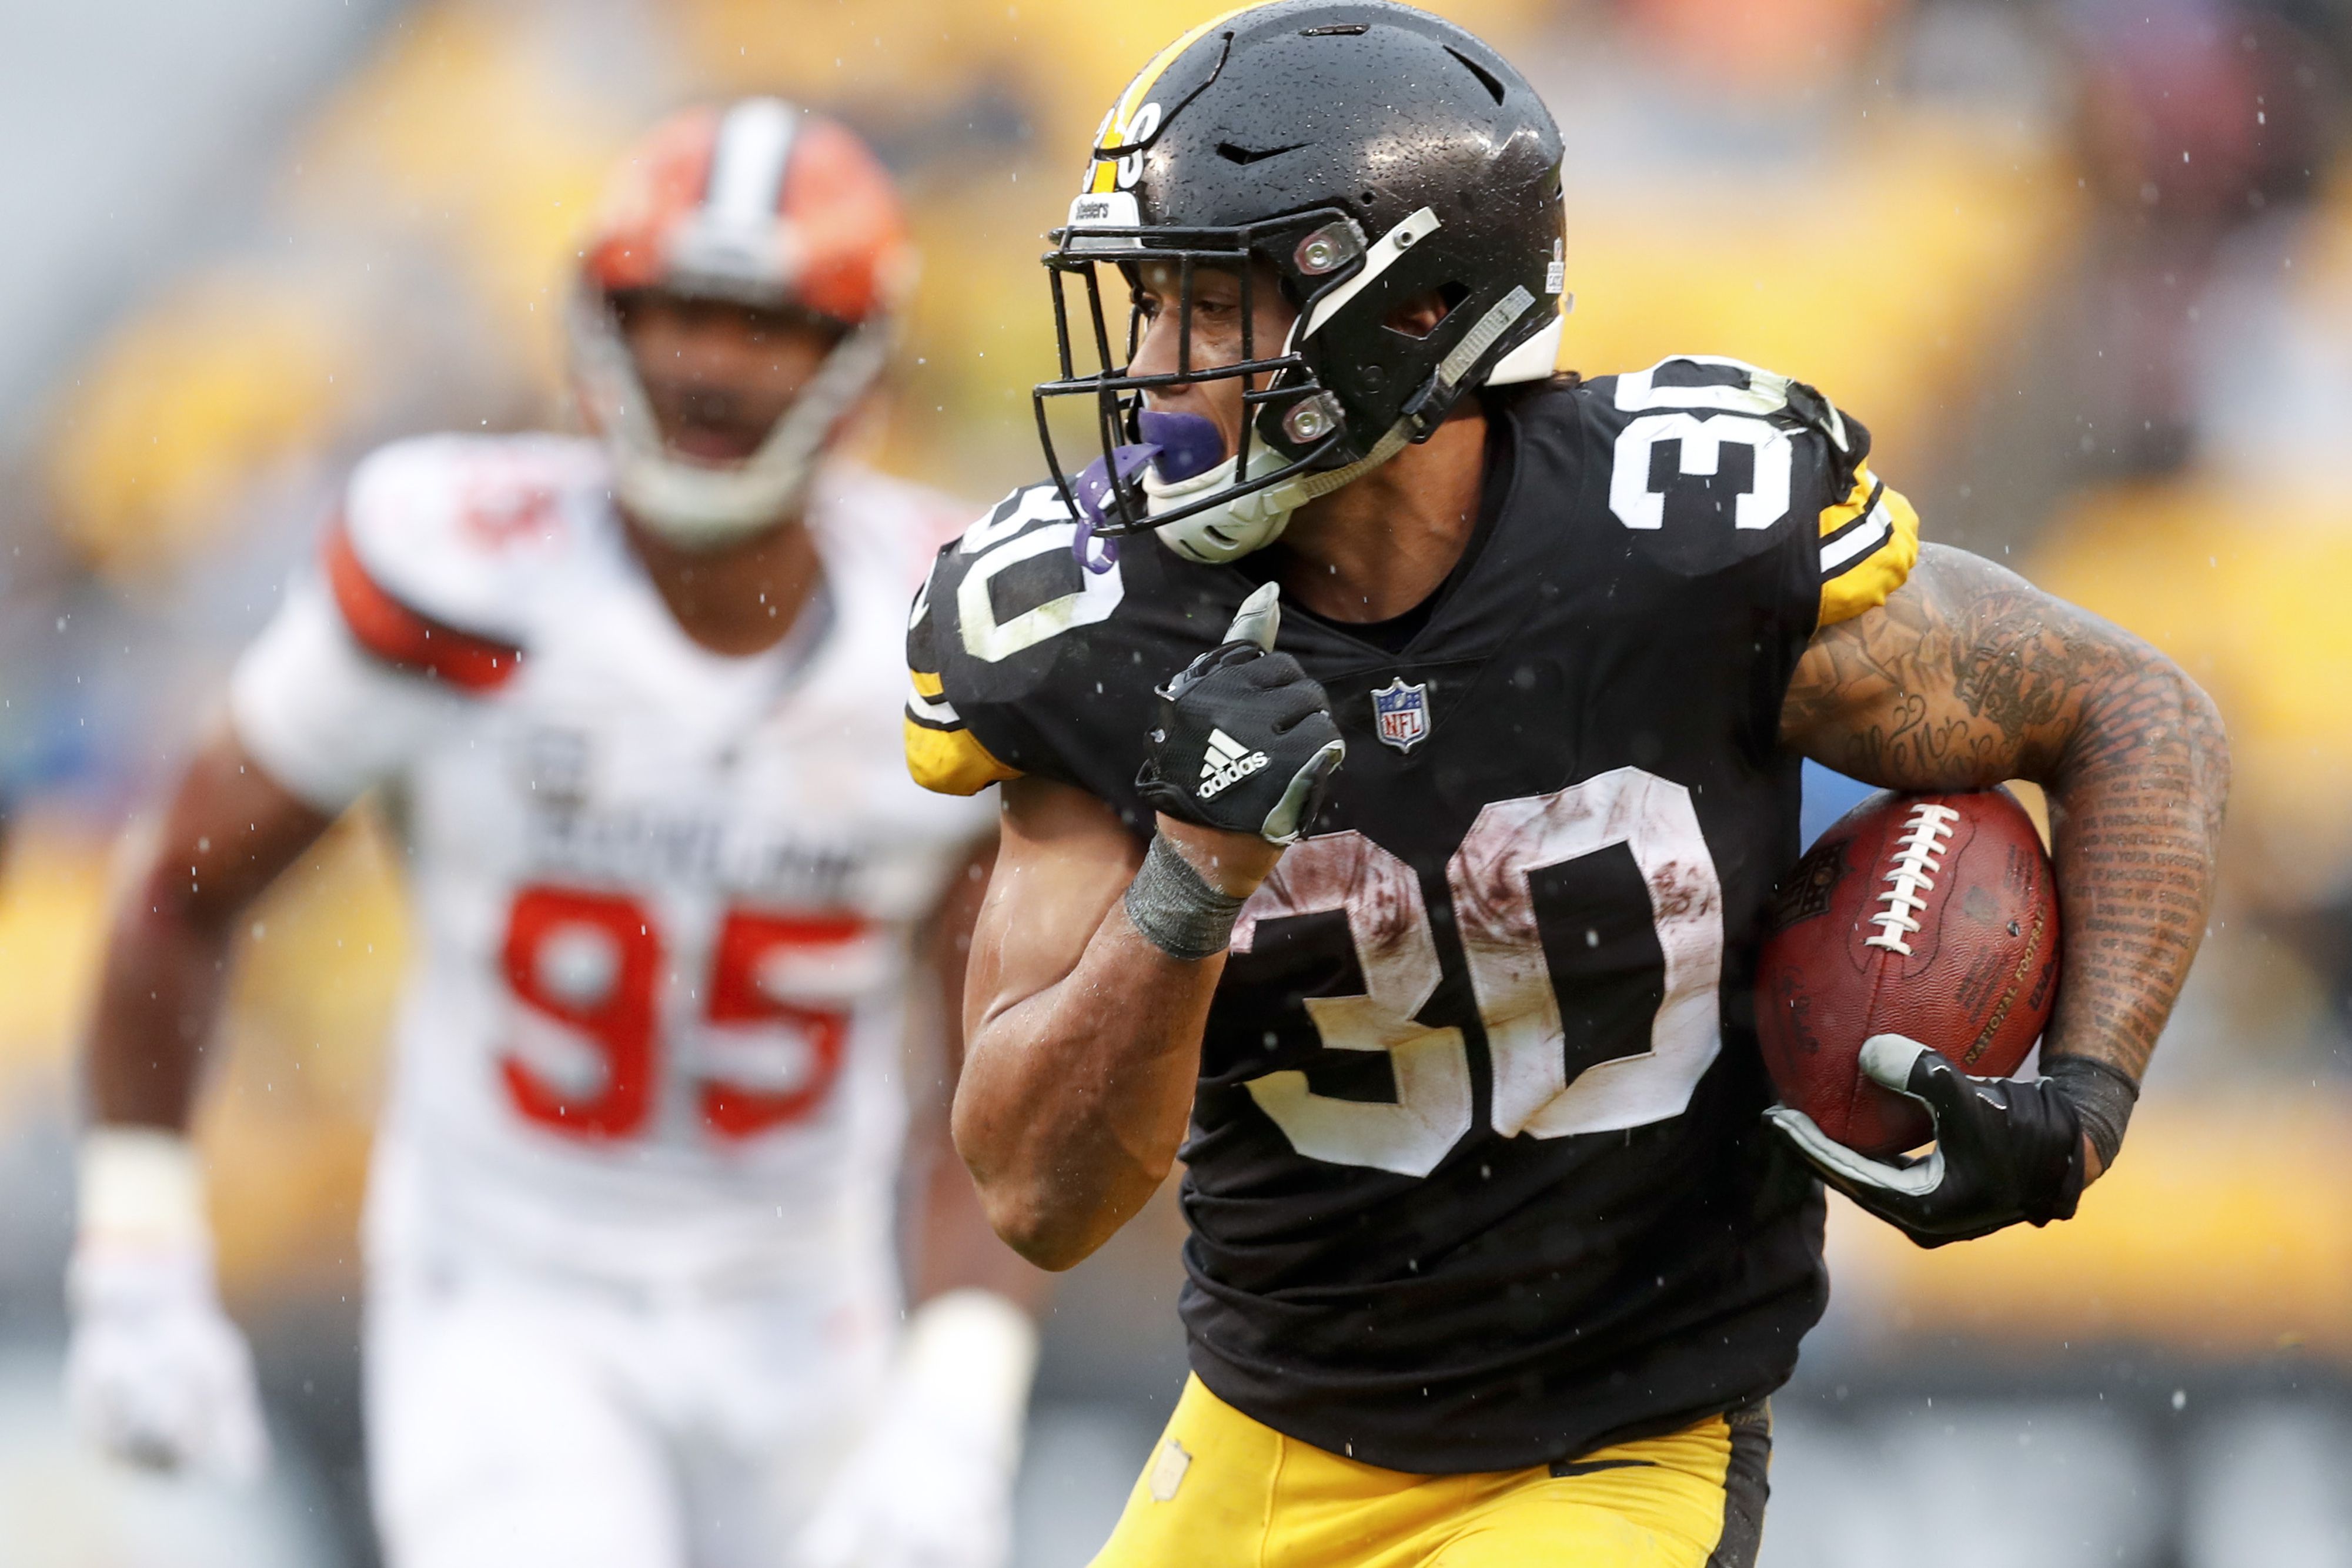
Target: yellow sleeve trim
{"points": [[951, 761], [928, 684], [1869, 543]]}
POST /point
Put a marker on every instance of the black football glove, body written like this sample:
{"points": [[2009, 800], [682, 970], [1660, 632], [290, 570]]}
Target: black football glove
{"points": [[2006, 1149], [1245, 742]]}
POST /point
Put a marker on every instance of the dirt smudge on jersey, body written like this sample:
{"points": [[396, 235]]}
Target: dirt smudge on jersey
{"points": [[1347, 872]]}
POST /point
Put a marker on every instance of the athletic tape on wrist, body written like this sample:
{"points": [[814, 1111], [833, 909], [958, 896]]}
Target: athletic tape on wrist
{"points": [[1174, 910], [2101, 1097], [141, 1186]]}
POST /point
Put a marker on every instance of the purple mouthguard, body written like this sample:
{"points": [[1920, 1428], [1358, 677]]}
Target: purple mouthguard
{"points": [[1181, 445]]}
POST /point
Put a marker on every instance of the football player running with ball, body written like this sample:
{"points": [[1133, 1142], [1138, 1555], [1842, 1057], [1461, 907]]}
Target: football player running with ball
{"points": [[1423, 915], [634, 1294]]}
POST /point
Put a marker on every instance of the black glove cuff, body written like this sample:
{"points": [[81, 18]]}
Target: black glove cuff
{"points": [[1174, 910], [2101, 1095]]}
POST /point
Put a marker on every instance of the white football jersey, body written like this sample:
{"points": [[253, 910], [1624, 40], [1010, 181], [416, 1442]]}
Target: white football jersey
{"points": [[662, 900]]}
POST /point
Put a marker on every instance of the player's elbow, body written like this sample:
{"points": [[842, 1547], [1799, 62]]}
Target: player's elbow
{"points": [[2149, 724], [2208, 744], [1041, 1231], [1030, 1200]]}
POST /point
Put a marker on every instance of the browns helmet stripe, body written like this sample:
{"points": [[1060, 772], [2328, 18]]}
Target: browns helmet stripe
{"points": [[755, 148]]}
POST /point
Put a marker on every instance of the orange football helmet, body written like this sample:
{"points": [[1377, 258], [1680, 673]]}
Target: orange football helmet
{"points": [[761, 203]]}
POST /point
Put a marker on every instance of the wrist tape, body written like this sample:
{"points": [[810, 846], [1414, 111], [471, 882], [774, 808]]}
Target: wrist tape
{"points": [[142, 1186], [1174, 910], [2101, 1095]]}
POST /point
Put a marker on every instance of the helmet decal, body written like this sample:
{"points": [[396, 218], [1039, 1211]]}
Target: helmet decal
{"points": [[1125, 124], [1130, 168]]}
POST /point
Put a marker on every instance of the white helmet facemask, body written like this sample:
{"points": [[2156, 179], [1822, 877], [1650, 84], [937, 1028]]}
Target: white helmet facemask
{"points": [[699, 505]]}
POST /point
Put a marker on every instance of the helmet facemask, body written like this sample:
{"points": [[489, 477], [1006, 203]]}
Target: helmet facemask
{"points": [[704, 505], [1287, 428]]}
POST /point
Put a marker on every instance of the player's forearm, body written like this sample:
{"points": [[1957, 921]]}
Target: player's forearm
{"points": [[1074, 1101], [227, 833], [158, 994], [2136, 801]]}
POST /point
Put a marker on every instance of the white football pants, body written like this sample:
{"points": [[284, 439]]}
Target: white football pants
{"points": [[530, 1421]]}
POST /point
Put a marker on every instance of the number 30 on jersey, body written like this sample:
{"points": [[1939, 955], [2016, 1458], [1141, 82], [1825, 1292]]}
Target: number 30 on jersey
{"points": [[1493, 907]]}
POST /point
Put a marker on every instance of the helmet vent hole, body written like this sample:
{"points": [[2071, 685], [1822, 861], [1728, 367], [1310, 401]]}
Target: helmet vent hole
{"points": [[1337, 30], [1420, 315], [1487, 78], [1234, 153]]}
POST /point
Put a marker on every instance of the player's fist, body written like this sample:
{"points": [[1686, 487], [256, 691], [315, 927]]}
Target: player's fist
{"points": [[1246, 741], [155, 1372], [2007, 1149]]}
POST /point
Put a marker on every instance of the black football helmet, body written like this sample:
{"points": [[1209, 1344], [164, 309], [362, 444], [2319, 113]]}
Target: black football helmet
{"points": [[1368, 154]]}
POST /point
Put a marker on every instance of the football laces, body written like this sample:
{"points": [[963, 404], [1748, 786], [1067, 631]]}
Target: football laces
{"points": [[1918, 858]]}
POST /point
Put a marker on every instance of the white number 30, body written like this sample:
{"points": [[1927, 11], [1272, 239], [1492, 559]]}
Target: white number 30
{"points": [[1495, 907], [1728, 416]]}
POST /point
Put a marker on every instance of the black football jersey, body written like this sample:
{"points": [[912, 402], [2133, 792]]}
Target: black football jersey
{"points": [[1477, 1177]]}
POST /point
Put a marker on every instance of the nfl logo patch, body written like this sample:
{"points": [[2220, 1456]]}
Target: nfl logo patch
{"points": [[1401, 714]]}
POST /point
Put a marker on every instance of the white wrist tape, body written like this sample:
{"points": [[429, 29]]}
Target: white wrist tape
{"points": [[972, 1351], [141, 1186]]}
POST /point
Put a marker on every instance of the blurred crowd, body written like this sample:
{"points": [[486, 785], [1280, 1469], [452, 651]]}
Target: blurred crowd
{"points": [[2084, 267]]}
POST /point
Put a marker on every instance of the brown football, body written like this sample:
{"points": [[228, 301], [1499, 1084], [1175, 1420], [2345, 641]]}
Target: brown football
{"points": [[1933, 917]]}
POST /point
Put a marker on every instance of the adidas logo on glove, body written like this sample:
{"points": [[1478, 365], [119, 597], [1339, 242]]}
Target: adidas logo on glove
{"points": [[1225, 765]]}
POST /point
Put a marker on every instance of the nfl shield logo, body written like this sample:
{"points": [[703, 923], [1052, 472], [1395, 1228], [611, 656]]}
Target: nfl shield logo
{"points": [[1403, 714]]}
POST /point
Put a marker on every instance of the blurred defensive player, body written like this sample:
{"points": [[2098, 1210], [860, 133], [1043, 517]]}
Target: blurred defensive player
{"points": [[1494, 1257], [632, 702]]}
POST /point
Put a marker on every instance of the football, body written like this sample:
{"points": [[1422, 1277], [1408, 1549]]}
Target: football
{"points": [[1933, 917]]}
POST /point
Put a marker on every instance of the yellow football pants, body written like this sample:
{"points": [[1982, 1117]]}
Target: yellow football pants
{"points": [[1221, 1490]]}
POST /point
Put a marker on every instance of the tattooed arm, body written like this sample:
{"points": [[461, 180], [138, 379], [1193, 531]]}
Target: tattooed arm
{"points": [[1968, 675]]}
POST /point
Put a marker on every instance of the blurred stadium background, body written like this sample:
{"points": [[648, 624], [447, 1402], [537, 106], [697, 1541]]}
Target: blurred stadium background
{"points": [[2084, 265]]}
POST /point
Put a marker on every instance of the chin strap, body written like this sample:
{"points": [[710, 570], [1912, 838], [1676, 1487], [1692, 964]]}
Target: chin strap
{"points": [[1293, 493]]}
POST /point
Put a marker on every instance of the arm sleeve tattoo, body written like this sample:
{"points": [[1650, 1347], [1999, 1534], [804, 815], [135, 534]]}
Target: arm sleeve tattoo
{"points": [[1969, 677]]}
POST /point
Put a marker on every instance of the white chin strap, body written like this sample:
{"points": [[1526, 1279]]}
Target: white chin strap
{"points": [[703, 506], [1254, 521]]}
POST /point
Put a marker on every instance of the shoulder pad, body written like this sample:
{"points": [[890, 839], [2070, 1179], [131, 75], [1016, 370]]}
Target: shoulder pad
{"points": [[454, 525], [1004, 603], [439, 540], [1028, 507], [1866, 534], [1011, 590], [1715, 383]]}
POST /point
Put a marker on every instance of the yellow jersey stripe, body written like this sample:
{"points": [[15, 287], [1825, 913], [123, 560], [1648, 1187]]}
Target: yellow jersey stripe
{"points": [[1870, 541], [929, 685], [1865, 486], [951, 761]]}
